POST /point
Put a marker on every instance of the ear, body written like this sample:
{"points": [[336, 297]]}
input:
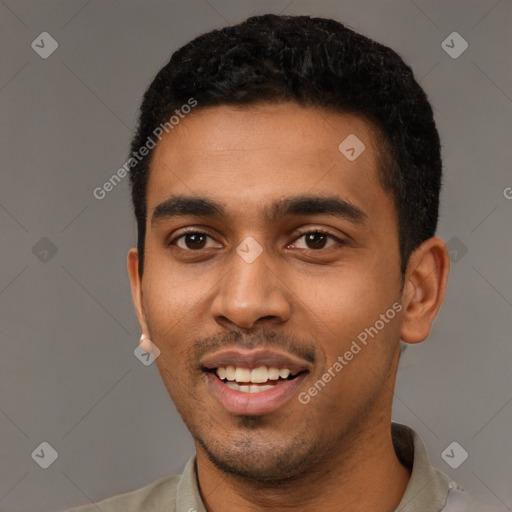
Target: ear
{"points": [[136, 285], [425, 286]]}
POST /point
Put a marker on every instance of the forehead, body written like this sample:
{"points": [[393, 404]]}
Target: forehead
{"points": [[249, 158]]}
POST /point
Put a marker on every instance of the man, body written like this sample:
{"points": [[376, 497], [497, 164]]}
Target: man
{"points": [[285, 178]]}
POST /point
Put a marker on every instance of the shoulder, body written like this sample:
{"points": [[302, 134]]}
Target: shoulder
{"points": [[158, 495]]}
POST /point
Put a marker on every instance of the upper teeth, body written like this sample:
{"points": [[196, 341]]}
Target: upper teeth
{"points": [[257, 375]]}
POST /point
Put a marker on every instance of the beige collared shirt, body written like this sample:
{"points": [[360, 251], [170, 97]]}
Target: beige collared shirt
{"points": [[428, 490]]}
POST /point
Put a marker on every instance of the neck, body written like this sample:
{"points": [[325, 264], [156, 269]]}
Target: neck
{"points": [[363, 474]]}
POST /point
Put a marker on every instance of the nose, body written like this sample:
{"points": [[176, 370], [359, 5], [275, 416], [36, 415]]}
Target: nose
{"points": [[250, 293]]}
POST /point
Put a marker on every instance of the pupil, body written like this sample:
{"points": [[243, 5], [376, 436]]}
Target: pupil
{"points": [[195, 237], [313, 237]]}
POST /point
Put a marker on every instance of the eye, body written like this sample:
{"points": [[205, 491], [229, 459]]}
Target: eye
{"points": [[317, 238], [192, 240]]}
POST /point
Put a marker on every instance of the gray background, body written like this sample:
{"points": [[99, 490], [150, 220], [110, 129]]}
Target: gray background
{"points": [[68, 375]]}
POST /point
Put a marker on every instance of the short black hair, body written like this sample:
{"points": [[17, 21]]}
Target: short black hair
{"points": [[313, 62]]}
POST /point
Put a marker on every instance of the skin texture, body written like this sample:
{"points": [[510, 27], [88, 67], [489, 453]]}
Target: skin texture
{"points": [[297, 296]]}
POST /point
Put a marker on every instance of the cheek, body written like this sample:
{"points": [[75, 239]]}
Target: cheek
{"points": [[346, 307], [346, 298], [170, 313], [174, 324], [169, 292]]}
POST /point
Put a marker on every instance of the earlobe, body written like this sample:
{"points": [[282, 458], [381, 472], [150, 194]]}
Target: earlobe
{"points": [[136, 287], [424, 291]]}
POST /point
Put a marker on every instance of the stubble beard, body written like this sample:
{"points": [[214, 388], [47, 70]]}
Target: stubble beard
{"points": [[255, 456]]}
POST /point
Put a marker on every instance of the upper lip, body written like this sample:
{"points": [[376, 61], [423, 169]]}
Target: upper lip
{"points": [[253, 359]]}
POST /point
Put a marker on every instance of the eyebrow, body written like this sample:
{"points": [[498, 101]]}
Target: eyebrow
{"points": [[182, 205]]}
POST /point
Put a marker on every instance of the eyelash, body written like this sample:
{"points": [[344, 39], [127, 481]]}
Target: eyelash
{"points": [[299, 235]]}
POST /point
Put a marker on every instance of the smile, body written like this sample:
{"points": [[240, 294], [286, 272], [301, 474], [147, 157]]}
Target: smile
{"points": [[253, 382], [256, 380]]}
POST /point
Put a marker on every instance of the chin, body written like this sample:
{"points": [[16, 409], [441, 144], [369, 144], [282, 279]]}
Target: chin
{"points": [[260, 460]]}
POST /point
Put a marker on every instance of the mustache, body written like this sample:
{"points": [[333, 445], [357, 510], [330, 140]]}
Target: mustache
{"points": [[263, 338]]}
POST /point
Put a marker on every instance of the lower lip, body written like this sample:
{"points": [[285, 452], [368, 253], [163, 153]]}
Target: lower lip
{"points": [[238, 402]]}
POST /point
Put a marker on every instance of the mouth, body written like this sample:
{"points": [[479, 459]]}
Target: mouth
{"points": [[257, 380], [253, 383]]}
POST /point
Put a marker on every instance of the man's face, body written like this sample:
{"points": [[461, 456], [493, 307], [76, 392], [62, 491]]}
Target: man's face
{"points": [[260, 287]]}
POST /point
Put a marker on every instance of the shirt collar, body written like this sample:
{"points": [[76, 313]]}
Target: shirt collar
{"points": [[188, 497], [428, 488]]}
